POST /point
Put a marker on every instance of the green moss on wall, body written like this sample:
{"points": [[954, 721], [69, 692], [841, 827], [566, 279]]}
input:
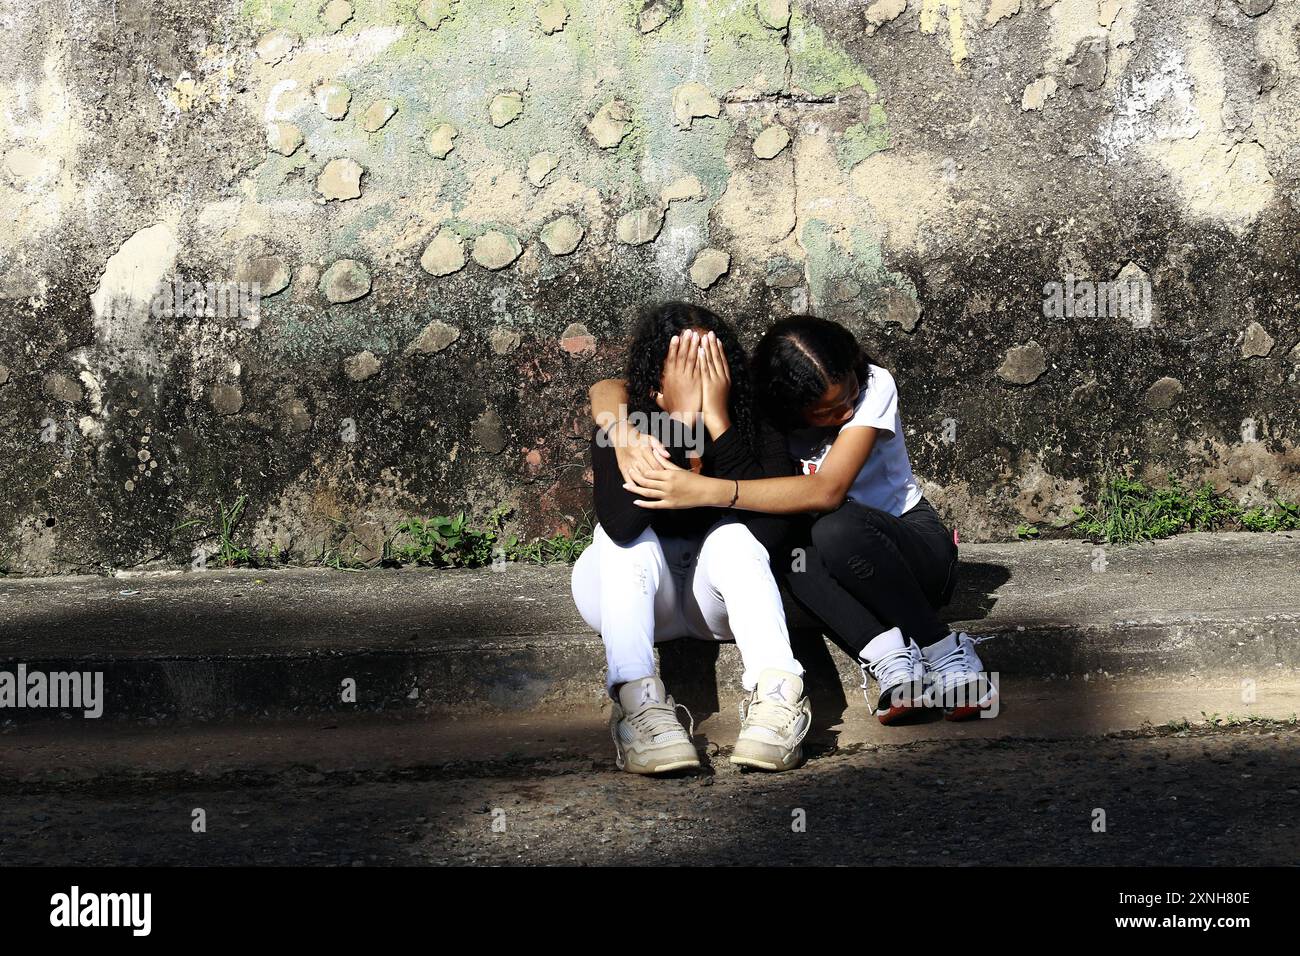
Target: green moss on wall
{"points": [[863, 139], [820, 67]]}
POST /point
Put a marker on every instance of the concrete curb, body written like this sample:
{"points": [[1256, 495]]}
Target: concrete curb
{"points": [[218, 644]]}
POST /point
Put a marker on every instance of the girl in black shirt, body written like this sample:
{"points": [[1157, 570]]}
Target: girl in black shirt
{"points": [[700, 572]]}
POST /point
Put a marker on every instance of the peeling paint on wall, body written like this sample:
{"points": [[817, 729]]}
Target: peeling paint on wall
{"points": [[951, 11], [454, 209]]}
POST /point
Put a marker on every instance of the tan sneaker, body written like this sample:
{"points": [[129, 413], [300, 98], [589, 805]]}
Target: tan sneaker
{"points": [[774, 722], [648, 737]]}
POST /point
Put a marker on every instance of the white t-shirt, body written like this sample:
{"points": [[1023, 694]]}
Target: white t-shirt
{"points": [[886, 480]]}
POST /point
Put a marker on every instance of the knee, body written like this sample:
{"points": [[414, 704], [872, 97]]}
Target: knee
{"points": [[644, 549], [639, 563], [731, 549], [847, 542], [837, 535], [584, 585]]}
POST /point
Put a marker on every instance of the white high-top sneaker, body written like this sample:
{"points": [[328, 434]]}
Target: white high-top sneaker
{"points": [[956, 676], [899, 671], [773, 723], [648, 737]]}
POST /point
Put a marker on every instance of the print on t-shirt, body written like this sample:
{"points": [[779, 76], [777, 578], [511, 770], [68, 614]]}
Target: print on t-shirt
{"points": [[809, 465]]}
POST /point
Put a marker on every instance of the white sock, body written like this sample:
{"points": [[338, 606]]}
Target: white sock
{"points": [[882, 644]]}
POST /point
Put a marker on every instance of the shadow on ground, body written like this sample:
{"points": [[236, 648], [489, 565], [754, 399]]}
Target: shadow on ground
{"points": [[1209, 799]]}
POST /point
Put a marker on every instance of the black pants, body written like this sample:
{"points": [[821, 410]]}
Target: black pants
{"points": [[867, 571]]}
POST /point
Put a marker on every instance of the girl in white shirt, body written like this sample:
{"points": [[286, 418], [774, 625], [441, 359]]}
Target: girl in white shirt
{"points": [[875, 561]]}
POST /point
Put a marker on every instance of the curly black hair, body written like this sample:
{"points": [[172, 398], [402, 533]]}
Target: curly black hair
{"points": [[797, 360], [645, 361]]}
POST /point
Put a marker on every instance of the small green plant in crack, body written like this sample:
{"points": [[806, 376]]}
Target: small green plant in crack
{"points": [[557, 548], [1129, 510], [1026, 532], [448, 541], [228, 553], [456, 542], [443, 541], [1283, 516]]}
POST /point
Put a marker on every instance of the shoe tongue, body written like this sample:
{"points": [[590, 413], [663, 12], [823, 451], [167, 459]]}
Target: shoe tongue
{"points": [[780, 685], [946, 646], [636, 695]]}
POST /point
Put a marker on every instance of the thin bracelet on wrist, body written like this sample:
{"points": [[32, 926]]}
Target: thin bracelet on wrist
{"points": [[736, 495]]}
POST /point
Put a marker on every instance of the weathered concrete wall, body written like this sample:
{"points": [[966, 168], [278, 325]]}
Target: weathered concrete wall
{"points": [[453, 208]]}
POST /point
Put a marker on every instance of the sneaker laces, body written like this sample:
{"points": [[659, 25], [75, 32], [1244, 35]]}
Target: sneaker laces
{"points": [[654, 720], [954, 667], [767, 712], [889, 670]]}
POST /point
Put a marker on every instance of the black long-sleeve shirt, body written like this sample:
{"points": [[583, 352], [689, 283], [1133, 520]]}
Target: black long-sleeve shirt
{"points": [[730, 457]]}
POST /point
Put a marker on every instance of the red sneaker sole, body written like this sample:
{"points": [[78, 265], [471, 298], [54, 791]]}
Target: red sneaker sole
{"points": [[896, 713], [966, 713]]}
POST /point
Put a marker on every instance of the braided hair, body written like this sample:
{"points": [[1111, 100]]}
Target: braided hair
{"points": [[649, 348], [798, 360]]}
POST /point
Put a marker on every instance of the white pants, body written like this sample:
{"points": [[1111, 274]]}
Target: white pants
{"points": [[715, 587]]}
